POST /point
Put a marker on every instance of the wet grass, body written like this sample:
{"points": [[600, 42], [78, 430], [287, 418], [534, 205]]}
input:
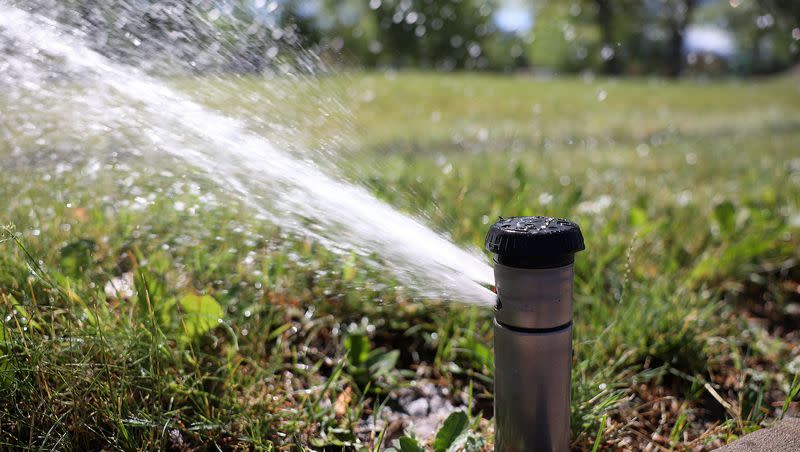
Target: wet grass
{"points": [[687, 298]]}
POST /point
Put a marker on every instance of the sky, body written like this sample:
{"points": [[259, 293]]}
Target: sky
{"points": [[514, 16], [709, 38]]}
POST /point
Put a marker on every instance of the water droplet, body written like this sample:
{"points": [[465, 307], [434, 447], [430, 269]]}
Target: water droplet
{"points": [[684, 198], [569, 31], [368, 96], [474, 50], [607, 52], [765, 21], [447, 169]]}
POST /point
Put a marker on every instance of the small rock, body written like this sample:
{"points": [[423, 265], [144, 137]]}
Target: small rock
{"points": [[793, 308], [419, 407], [784, 436], [120, 287]]}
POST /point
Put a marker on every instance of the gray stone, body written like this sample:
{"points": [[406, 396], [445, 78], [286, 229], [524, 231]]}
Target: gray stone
{"points": [[784, 436], [418, 408]]}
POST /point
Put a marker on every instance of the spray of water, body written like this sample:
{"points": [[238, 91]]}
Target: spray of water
{"points": [[289, 190]]}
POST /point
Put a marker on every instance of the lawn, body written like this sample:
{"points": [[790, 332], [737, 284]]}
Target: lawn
{"points": [[144, 307]]}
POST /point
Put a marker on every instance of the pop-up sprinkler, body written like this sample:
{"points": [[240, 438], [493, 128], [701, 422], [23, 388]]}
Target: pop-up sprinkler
{"points": [[533, 270]]}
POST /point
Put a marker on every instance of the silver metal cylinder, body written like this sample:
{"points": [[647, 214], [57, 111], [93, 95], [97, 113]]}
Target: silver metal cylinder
{"points": [[539, 298], [533, 358], [533, 271]]}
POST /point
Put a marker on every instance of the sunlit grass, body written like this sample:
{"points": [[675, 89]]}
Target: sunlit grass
{"points": [[688, 195]]}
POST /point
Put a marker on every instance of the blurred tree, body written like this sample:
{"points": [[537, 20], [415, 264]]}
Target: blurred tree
{"points": [[615, 20], [611, 36], [304, 23], [445, 34], [605, 16], [336, 29], [653, 35], [763, 34], [677, 15], [564, 37], [506, 52], [785, 15], [786, 9]]}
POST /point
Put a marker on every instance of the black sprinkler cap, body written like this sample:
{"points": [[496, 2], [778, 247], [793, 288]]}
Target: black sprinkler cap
{"points": [[534, 242]]}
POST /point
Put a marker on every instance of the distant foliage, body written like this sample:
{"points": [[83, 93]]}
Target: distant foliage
{"points": [[446, 34], [616, 37]]}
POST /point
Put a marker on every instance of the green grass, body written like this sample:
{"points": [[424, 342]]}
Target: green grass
{"points": [[686, 298]]}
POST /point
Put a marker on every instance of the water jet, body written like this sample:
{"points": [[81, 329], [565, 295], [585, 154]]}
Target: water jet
{"points": [[533, 268], [289, 190]]}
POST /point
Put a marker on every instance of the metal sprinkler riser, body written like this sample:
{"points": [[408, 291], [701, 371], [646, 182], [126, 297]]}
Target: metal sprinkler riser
{"points": [[533, 268]]}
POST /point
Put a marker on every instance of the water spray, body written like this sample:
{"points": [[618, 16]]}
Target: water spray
{"points": [[533, 268]]}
